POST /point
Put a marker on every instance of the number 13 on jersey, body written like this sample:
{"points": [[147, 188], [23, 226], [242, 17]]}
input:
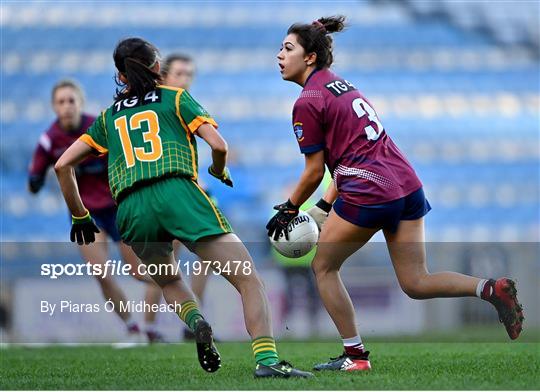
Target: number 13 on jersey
{"points": [[150, 136]]}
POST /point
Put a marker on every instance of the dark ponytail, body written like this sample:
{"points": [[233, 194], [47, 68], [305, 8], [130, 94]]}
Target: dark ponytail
{"points": [[315, 38], [134, 58]]}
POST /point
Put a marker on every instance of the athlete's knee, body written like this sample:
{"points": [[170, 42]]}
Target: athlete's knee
{"points": [[412, 292], [164, 280], [413, 287], [142, 278], [322, 267], [249, 282], [105, 281]]}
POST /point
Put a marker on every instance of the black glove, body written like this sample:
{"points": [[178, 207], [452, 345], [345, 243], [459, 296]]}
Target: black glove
{"points": [[279, 222], [83, 229], [224, 177]]}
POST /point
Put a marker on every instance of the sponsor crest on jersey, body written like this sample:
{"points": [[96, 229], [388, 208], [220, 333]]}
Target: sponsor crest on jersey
{"points": [[298, 131]]}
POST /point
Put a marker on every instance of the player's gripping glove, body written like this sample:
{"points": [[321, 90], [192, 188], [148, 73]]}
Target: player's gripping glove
{"points": [[224, 177], [83, 229], [279, 222], [319, 212]]}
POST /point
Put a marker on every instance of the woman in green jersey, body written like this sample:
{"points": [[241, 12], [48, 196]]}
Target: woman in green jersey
{"points": [[149, 135]]}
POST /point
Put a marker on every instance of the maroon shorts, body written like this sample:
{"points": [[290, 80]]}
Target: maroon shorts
{"points": [[385, 215]]}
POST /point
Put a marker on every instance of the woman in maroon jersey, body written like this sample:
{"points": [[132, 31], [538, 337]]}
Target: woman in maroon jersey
{"points": [[71, 123], [375, 188]]}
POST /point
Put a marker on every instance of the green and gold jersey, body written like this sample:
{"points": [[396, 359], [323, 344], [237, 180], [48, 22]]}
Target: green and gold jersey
{"points": [[148, 138]]}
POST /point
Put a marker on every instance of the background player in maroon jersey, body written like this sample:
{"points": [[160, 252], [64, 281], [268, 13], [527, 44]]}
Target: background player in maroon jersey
{"points": [[71, 123], [375, 188]]}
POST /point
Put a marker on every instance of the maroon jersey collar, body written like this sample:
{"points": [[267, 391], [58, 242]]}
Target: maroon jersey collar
{"points": [[310, 75]]}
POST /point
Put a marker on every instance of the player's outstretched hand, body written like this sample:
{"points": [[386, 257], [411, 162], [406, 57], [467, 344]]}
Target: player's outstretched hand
{"points": [[279, 222], [224, 177], [319, 212], [83, 229]]}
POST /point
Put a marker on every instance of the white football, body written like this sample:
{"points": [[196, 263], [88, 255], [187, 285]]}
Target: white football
{"points": [[303, 236]]}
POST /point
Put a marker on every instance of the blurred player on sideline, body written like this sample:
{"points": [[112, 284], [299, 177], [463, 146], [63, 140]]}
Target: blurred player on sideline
{"points": [[178, 70], [71, 123], [149, 135], [375, 188]]}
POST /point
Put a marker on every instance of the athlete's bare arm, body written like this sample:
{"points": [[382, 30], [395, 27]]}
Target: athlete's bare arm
{"points": [[218, 145], [65, 172], [310, 179]]}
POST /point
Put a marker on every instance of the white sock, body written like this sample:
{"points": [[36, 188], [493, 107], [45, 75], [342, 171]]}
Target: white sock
{"points": [[480, 287], [130, 322], [150, 326], [354, 341]]}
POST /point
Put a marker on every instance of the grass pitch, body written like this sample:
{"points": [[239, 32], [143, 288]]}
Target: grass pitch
{"points": [[175, 366]]}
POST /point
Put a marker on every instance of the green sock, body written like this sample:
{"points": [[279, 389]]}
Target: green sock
{"points": [[264, 349], [190, 314]]}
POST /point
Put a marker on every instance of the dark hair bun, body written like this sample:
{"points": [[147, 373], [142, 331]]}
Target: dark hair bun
{"points": [[333, 24], [315, 37]]}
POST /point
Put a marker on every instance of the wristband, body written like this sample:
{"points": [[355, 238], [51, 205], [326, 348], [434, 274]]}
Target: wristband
{"points": [[290, 205], [324, 205], [81, 219]]}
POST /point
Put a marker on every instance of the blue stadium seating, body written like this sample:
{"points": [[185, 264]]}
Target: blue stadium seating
{"points": [[447, 160]]}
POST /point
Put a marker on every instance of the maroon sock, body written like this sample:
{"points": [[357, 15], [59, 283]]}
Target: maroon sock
{"points": [[355, 350], [133, 328], [487, 290]]}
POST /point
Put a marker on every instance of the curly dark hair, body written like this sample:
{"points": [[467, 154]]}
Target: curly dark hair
{"points": [[315, 37]]}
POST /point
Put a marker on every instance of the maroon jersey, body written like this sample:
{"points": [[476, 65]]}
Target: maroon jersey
{"points": [[91, 174], [366, 165]]}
